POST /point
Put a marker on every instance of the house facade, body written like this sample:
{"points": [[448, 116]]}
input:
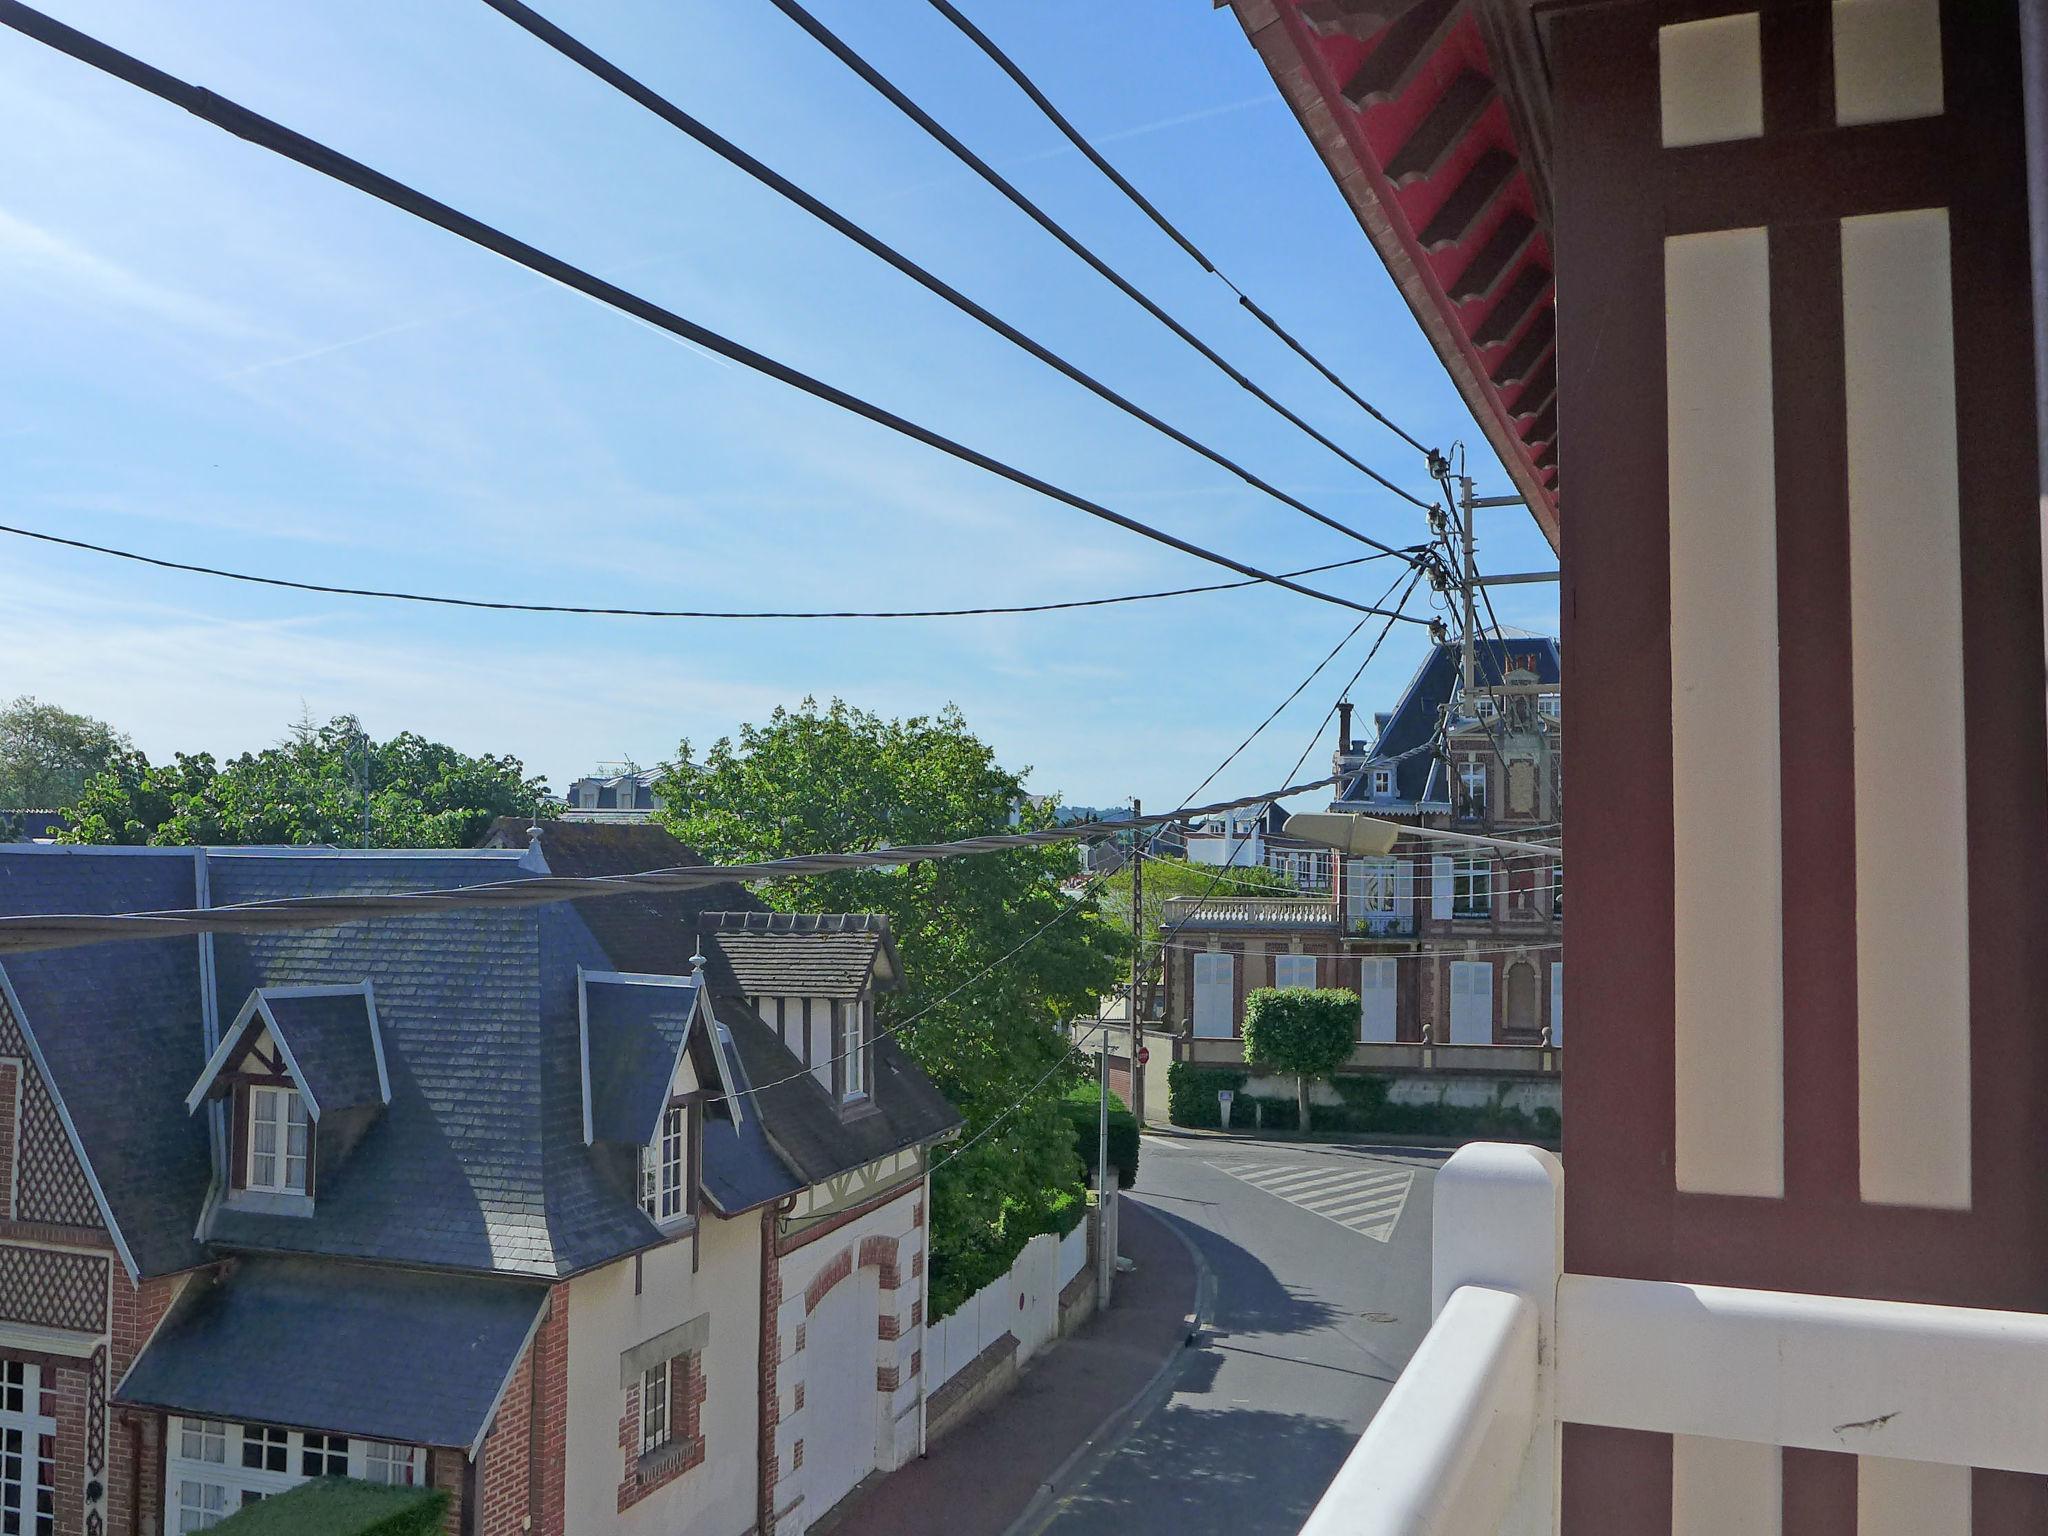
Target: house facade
{"points": [[613, 794], [1445, 944], [456, 1199]]}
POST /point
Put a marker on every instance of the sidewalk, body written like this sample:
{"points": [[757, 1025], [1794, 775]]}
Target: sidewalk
{"points": [[980, 1478]]}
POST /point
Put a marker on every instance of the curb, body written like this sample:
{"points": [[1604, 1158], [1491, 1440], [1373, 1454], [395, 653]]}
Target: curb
{"points": [[1103, 1440]]}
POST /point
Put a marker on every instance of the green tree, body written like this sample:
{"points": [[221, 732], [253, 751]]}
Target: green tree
{"points": [[47, 753], [1178, 877], [837, 779], [309, 789], [1308, 1033]]}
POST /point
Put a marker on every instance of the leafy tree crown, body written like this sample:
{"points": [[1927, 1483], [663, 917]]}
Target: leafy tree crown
{"points": [[1299, 1030]]}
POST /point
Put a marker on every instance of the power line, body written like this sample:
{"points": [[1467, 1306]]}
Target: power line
{"points": [[846, 55], [1074, 136], [582, 54], [655, 613], [19, 934], [257, 129]]}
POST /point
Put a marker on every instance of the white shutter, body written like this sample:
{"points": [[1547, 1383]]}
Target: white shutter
{"points": [[1440, 887], [1404, 890], [1557, 1003], [1376, 986], [1354, 889], [1215, 977], [1471, 1002], [1294, 971]]}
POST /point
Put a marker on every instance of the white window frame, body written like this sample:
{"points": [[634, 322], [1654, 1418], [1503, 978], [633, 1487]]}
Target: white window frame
{"points": [[1472, 790], [853, 1047], [289, 1114], [1485, 706], [1378, 999], [665, 1166], [1550, 706], [1471, 980], [22, 1421], [1295, 964], [1373, 887], [1214, 995], [1382, 783], [1557, 890], [657, 1402], [1471, 886], [237, 1484]]}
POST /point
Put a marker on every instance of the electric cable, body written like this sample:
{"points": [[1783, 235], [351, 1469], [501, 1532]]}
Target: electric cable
{"points": [[628, 85], [1074, 136], [239, 120], [656, 613], [841, 50]]}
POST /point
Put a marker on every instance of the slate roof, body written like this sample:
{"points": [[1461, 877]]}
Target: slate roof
{"points": [[797, 1117], [635, 1035], [741, 1167], [332, 1038], [310, 1344], [148, 1156], [1412, 722], [799, 955], [478, 1162]]}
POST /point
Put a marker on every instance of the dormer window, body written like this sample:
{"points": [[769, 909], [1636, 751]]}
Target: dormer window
{"points": [[664, 1166], [855, 1047], [1382, 783], [280, 1141]]}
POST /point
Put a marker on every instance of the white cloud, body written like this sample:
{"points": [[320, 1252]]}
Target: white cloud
{"points": [[64, 269]]}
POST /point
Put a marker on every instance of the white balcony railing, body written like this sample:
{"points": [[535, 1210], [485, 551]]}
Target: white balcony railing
{"points": [[1317, 912], [1468, 1440]]}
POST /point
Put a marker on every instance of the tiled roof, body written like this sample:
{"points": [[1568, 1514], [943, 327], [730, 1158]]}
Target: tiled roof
{"points": [[636, 1035], [780, 954], [332, 1038], [119, 1032], [477, 1163], [1413, 721], [292, 1341], [741, 1167]]}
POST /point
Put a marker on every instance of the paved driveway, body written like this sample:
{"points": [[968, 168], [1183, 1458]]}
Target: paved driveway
{"points": [[1320, 1263]]}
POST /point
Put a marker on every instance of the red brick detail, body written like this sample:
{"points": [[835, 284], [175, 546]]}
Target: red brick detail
{"points": [[10, 1095], [445, 1471], [64, 1395], [644, 1475], [828, 1276], [796, 1456], [881, 1252], [797, 1399], [520, 1486], [885, 1378], [917, 1264], [917, 1214], [136, 1310], [917, 1362], [769, 1465], [888, 1326], [797, 1347], [917, 1312]]}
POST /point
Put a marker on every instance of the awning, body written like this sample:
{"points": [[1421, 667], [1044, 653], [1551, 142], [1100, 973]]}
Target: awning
{"points": [[349, 1349]]}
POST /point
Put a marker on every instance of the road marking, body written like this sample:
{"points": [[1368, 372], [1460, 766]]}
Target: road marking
{"points": [[1368, 1201]]}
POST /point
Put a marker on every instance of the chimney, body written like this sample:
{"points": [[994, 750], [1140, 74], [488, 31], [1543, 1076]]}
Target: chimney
{"points": [[1343, 725]]}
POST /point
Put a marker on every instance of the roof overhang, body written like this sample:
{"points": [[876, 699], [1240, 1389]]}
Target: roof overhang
{"points": [[1432, 116]]}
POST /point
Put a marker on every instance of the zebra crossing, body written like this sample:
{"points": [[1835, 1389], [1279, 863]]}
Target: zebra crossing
{"points": [[1367, 1199]]}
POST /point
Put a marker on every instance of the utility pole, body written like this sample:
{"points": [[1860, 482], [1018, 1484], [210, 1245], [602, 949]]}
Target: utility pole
{"points": [[1132, 1013], [1468, 587]]}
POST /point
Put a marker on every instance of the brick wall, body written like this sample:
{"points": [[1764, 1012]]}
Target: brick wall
{"points": [[641, 1476], [771, 1354], [520, 1490]]}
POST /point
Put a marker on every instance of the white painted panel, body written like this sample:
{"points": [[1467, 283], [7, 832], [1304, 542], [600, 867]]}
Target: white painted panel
{"points": [[1440, 887], [1294, 971], [818, 1011], [1378, 981], [1710, 80], [1471, 1002], [1725, 812], [1404, 889], [842, 1407], [1725, 1488], [1887, 60], [1215, 976], [1911, 1498], [1906, 654], [1557, 1003]]}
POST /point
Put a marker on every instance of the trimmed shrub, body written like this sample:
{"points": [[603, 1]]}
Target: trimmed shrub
{"points": [[1191, 1093], [341, 1506], [1083, 1106], [1308, 1033]]}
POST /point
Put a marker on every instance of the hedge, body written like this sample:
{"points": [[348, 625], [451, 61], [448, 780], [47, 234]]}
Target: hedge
{"points": [[1191, 1101], [1083, 1105], [341, 1506]]}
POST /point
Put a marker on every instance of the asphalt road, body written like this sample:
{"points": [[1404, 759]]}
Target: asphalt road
{"points": [[1318, 1260]]}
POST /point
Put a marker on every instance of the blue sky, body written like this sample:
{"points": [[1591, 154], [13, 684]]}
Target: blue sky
{"points": [[214, 355]]}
